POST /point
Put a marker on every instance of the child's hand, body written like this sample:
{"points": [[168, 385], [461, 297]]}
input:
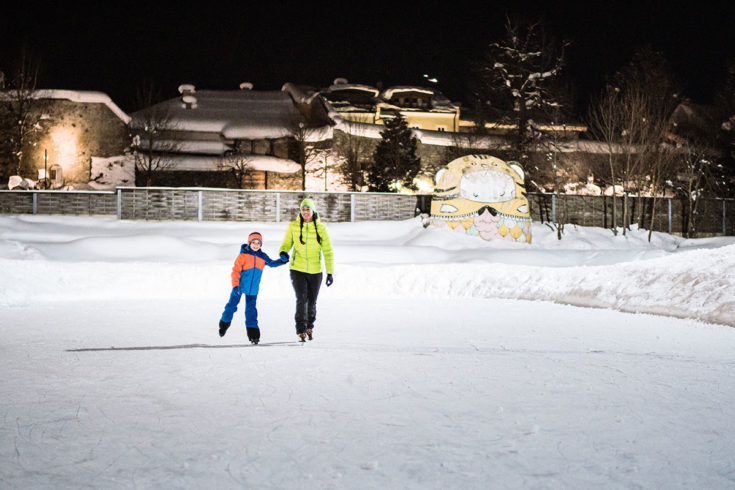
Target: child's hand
{"points": [[236, 290]]}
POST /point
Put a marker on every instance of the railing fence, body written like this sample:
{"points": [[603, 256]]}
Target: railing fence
{"points": [[712, 216]]}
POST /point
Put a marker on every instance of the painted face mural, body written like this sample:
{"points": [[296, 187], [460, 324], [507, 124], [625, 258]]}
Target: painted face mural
{"points": [[483, 196]]}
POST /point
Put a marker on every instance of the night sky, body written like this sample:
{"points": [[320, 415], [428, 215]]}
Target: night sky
{"points": [[114, 48]]}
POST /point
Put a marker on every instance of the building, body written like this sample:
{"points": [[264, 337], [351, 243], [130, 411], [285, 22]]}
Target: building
{"points": [[79, 140], [226, 138], [421, 107]]}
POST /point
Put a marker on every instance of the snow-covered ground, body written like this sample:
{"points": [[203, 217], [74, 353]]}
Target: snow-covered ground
{"points": [[434, 365]]}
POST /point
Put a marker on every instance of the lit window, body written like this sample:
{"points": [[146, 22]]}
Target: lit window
{"points": [[54, 174]]}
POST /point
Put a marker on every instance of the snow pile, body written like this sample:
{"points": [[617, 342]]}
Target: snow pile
{"points": [[62, 259], [108, 173]]}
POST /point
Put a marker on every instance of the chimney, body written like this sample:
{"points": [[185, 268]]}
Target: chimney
{"points": [[186, 89], [190, 102]]}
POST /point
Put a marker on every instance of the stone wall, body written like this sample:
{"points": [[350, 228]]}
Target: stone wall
{"points": [[72, 133]]}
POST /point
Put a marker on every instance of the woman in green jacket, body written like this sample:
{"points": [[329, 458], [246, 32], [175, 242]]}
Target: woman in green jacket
{"points": [[310, 240]]}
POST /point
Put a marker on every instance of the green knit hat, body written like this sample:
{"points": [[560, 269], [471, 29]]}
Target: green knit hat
{"points": [[309, 204]]}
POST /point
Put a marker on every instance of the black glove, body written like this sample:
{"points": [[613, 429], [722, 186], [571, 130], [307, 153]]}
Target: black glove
{"points": [[284, 257], [330, 280]]}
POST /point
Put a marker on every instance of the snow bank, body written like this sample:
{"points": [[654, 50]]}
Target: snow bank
{"points": [[63, 259]]}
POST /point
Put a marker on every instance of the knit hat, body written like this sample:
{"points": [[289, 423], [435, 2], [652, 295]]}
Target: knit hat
{"points": [[309, 204], [255, 236]]}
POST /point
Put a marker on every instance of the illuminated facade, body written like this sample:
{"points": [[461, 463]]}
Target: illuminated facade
{"points": [[421, 107], [72, 128]]}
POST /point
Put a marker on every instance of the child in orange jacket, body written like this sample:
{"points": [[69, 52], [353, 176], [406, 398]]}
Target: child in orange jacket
{"points": [[246, 274]]}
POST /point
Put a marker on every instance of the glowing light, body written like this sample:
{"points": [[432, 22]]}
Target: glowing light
{"points": [[65, 146]]}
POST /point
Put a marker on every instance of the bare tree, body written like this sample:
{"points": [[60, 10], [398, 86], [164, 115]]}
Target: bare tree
{"points": [[632, 117], [18, 120], [354, 151], [150, 127], [551, 143], [604, 122], [238, 162], [321, 163], [697, 171], [304, 136], [725, 104], [516, 75], [650, 71]]}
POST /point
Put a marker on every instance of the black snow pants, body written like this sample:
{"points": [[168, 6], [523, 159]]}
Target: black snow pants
{"points": [[306, 287]]}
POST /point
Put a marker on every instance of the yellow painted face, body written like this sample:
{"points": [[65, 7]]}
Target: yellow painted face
{"points": [[485, 195]]}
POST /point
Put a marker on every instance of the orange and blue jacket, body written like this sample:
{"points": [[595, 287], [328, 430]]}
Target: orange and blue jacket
{"points": [[248, 269]]}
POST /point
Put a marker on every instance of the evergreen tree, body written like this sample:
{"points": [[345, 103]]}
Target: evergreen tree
{"points": [[395, 159]]}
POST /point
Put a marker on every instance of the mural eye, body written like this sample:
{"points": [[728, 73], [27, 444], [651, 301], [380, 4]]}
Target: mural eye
{"points": [[523, 209], [475, 194], [447, 208]]}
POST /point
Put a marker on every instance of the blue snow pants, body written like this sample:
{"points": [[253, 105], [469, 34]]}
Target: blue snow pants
{"points": [[251, 312]]}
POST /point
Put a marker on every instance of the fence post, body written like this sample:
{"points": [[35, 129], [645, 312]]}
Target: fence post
{"points": [[278, 207], [119, 203], [199, 206], [35, 202], [669, 200], [724, 220], [553, 208], [352, 208]]}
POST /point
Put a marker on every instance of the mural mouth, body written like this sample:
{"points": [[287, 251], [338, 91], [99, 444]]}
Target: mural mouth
{"points": [[487, 186], [446, 214]]}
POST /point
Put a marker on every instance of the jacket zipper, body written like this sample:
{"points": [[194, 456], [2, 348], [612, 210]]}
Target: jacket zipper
{"points": [[306, 248], [252, 276]]}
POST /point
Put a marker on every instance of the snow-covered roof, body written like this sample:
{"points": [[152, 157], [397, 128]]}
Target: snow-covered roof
{"points": [[446, 138], [234, 114], [352, 86], [391, 91], [210, 163], [427, 137], [186, 146], [300, 93], [273, 164], [83, 96]]}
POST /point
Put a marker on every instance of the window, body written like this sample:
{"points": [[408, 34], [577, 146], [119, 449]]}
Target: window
{"points": [[55, 174], [441, 128]]}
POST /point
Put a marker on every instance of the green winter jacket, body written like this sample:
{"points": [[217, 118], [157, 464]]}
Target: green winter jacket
{"points": [[307, 256]]}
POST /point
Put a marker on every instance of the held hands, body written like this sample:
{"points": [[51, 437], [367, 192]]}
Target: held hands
{"points": [[284, 257], [330, 280]]}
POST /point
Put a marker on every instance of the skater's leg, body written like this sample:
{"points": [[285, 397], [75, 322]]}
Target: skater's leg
{"points": [[251, 317], [314, 282], [300, 287], [231, 306]]}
